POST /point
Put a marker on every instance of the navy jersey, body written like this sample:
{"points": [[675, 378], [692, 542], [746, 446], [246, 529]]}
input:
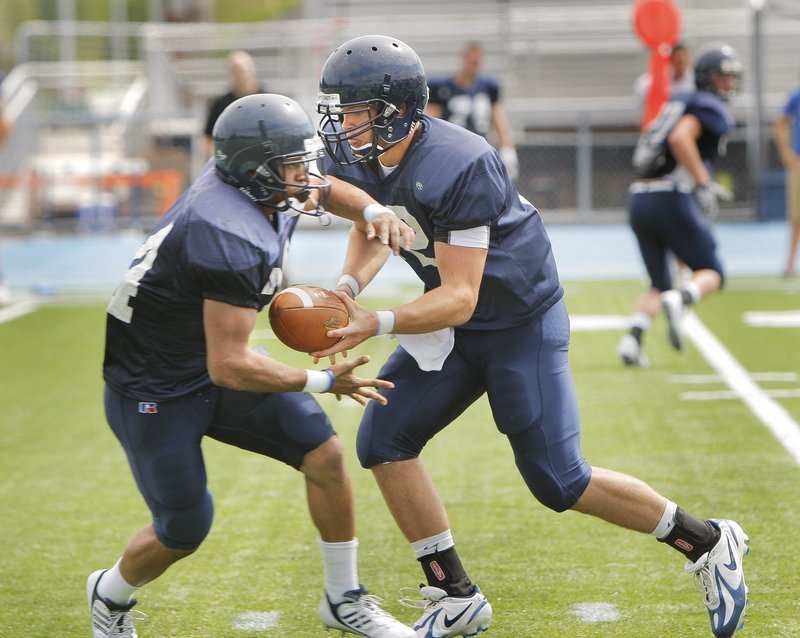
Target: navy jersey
{"points": [[469, 107], [653, 157], [214, 243], [451, 180]]}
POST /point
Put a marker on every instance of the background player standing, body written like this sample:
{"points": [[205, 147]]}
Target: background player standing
{"points": [[471, 99], [786, 130]]}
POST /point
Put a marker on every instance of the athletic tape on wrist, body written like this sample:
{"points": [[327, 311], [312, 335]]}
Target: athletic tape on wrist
{"points": [[319, 380], [373, 211], [351, 283], [386, 321]]}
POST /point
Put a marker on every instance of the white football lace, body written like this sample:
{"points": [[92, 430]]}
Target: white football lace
{"points": [[416, 602], [705, 583], [370, 606], [121, 623]]}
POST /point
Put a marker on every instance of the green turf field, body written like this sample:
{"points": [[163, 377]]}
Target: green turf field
{"points": [[69, 504]]}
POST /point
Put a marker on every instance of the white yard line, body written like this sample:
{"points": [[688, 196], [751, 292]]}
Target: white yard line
{"points": [[723, 395], [591, 323], [773, 319], [16, 310], [702, 379], [771, 414]]}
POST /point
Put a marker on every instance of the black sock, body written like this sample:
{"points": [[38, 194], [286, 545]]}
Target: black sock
{"points": [[636, 333], [691, 536], [444, 570]]}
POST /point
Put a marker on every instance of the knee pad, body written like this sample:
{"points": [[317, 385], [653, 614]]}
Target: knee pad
{"points": [[187, 527], [558, 493]]}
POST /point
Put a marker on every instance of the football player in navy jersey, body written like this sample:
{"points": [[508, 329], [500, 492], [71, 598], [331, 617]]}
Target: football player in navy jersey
{"points": [[178, 367], [491, 320], [672, 205], [471, 99]]}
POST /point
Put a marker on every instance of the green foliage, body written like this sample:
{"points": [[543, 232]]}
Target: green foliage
{"points": [[69, 502]]}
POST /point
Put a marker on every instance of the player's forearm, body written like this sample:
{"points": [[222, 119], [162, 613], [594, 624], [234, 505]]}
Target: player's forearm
{"points": [[687, 155], [364, 258], [503, 128], [439, 308], [254, 372], [348, 201], [782, 137]]}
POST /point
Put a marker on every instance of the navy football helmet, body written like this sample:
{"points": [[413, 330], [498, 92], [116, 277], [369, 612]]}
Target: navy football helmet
{"points": [[373, 73], [256, 138], [713, 60]]}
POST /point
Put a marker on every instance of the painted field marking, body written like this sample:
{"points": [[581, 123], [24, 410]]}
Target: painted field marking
{"points": [[17, 310], [256, 620], [772, 319], [595, 612], [701, 379], [722, 395], [771, 414], [591, 323]]}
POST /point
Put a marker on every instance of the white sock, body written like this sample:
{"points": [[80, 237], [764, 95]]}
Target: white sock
{"points": [[694, 291], [340, 564], [114, 587], [641, 320], [667, 521], [432, 544]]}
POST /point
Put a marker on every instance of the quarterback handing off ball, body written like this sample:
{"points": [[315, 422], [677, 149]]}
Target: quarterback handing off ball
{"points": [[300, 316]]}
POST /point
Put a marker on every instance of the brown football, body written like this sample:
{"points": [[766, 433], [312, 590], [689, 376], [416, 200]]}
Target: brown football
{"points": [[301, 315]]}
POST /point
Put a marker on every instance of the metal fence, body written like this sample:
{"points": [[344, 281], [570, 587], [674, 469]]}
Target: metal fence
{"points": [[108, 117]]}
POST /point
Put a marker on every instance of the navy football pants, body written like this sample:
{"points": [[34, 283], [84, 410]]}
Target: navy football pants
{"points": [[669, 222], [164, 447], [525, 373]]}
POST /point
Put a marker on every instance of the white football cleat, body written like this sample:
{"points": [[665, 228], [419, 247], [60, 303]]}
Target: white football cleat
{"points": [[361, 614], [672, 303], [449, 616], [721, 576], [631, 352], [110, 620]]}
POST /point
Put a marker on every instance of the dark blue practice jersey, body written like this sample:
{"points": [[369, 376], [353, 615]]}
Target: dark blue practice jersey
{"points": [[653, 157], [466, 106], [214, 243], [453, 180]]}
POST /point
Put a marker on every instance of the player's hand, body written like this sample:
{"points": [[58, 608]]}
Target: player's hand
{"points": [[391, 231], [362, 390], [331, 358], [363, 324], [706, 197]]}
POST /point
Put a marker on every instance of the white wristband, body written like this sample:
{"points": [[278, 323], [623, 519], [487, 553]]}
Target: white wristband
{"points": [[373, 211], [351, 283], [319, 380], [386, 321]]}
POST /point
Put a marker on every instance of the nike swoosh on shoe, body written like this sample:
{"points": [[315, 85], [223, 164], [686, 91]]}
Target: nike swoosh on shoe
{"points": [[449, 622]]}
